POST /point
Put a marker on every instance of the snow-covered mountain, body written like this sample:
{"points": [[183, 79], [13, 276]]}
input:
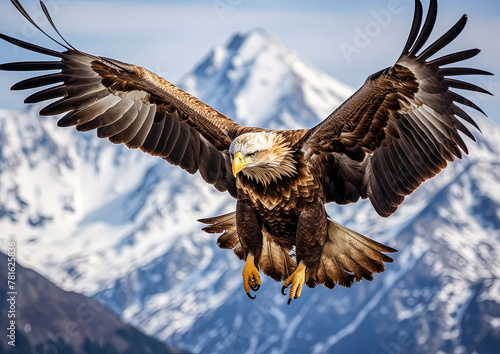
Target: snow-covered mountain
{"points": [[121, 226], [77, 324], [266, 83]]}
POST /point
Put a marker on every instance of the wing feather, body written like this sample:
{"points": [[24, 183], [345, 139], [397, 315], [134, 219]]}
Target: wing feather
{"points": [[209, 157], [129, 104], [454, 58], [140, 138], [122, 123], [426, 31], [191, 154], [175, 150], [82, 117], [401, 128], [133, 129], [174, 137], [154, 136], [33, 66], [39, 81], [74, 103]]}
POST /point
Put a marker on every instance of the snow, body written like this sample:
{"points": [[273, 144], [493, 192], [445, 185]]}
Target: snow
{"points": [[261, 75], [121, 225]]}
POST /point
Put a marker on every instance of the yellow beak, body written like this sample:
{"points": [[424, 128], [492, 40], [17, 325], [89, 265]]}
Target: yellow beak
{"points": [[237, 163]]}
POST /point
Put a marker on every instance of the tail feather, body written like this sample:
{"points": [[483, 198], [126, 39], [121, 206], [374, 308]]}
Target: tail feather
{"points": [[275, 261], [347, 255], [219, 223], [225, 224], [330, 273]]}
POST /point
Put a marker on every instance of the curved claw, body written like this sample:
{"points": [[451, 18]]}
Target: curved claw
{"points": [[251, 277], [283, 288], [296, 281]]}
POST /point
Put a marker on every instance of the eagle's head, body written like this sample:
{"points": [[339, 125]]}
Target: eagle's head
{"points": [[264, 157]]}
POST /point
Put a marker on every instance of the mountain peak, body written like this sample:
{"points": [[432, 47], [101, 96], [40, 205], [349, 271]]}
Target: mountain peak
{"points": [[238, 40], [242, 48], [237, 79]]}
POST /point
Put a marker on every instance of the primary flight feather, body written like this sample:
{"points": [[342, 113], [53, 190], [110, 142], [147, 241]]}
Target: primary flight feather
{"points": [[398, 130]]}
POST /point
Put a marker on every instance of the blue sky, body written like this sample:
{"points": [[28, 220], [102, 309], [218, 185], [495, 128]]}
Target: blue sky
{"points": [[170, 37]]}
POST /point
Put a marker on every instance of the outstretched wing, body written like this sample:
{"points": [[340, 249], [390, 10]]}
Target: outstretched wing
{"points": [[400, 128], [131, 105]]}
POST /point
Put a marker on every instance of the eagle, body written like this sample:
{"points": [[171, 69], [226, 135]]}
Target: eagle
{"points": [[398, 130]]}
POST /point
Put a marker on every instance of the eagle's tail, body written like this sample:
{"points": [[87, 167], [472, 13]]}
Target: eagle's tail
{"points": [[275, 260], [225, 225], [347, 256]]}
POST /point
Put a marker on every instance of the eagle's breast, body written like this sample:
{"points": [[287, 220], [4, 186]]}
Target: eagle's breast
{"points": [[283, 200]]}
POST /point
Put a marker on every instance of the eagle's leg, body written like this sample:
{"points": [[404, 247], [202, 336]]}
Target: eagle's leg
{"points": [[296, 280], [312, 227], [251, 276], [250, 235]]}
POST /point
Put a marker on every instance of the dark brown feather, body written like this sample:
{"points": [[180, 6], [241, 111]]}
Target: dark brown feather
{"points": [[38, 81], [401, 127], [120, 100], [397, 131]]}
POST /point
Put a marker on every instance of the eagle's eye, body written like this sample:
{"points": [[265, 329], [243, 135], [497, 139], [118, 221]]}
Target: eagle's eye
{"points": [[253, 154]]}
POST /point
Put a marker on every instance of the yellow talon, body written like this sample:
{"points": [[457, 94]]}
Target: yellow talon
{"points": [[297, 280], [251, 277]]}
